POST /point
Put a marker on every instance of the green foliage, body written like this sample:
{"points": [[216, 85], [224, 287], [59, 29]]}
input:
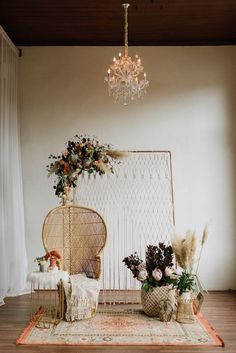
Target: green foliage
{"points": [[150, 283], [185, 282], [146, 287], [39, 259]]}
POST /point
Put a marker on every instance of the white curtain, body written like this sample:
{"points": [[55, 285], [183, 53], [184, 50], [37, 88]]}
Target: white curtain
{"points": [[13, 260]]}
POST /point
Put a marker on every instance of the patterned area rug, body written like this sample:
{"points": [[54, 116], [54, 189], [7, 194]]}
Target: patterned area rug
{"points": [[122, 326]]}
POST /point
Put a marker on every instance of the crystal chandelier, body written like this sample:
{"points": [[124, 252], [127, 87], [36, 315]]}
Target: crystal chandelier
{"points": [[125, 80]]}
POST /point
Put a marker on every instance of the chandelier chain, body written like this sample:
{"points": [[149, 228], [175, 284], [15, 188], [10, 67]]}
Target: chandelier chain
{"points": [[126, 30]]}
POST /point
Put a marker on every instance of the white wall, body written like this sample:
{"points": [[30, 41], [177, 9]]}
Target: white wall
{"points": [[189, 109]]}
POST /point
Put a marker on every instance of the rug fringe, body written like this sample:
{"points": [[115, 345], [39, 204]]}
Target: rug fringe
{"points": [[22, 338], [211, 330]]}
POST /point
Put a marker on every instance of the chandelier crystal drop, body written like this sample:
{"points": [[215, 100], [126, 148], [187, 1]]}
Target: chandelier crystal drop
{"points": [[125, 78]]}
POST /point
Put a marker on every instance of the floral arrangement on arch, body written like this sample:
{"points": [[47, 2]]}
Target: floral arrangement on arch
{"points": [[157, 271], [82, 154]]}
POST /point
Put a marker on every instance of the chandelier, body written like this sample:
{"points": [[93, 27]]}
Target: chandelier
{"points": [[125, 78]]}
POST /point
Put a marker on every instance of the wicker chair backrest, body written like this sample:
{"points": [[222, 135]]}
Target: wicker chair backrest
{"points": [[79, 235]]}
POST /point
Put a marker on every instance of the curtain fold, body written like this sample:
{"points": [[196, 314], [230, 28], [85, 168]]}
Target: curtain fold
{"points": [[13, 259]]}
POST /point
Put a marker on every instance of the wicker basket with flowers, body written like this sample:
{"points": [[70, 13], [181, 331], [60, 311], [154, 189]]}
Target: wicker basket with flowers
{"points": [[157, 275]]}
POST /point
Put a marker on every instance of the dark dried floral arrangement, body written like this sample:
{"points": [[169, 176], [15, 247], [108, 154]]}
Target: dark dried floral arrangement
{"points": [[158, 269]]}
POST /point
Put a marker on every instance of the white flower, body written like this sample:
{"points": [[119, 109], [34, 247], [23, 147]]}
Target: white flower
{"points": [[157, 274], [74, 158], [142, 275], [74, 175], [87, 162], [65, 152], [170, 272]]}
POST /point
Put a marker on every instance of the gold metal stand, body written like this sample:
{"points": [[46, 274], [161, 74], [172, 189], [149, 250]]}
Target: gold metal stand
{"points": [[47, 305]]}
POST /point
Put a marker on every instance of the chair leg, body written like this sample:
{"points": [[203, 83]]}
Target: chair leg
{"points": [[62, 301]]}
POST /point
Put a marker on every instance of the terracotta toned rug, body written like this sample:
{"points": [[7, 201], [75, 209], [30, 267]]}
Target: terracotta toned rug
{"points": [[122, 326]]}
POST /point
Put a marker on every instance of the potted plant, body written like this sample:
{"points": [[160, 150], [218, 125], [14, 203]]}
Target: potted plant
{"points": [[185, 248], [185, 288], [41, 262], [157, 275], [185, 285]]}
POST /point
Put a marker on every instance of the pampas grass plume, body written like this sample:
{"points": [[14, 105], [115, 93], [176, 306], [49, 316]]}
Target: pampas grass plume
{"points": [[192, 251], [203, 241], [205, 235], [177, 245], [185, 249], [117, 154]]}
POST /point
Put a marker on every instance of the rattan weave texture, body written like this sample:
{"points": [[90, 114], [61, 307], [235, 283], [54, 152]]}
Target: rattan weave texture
{"points": [[151, 299], [79, 235]]}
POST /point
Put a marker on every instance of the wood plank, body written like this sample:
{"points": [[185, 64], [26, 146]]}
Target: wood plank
{"points": [[162, 22]]}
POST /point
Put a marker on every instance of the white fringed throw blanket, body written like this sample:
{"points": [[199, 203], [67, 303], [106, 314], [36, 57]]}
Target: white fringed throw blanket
{"points": [[81, 297]]}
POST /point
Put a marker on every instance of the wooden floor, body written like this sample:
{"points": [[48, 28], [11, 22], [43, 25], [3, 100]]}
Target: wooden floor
{"points": [[219, 308]]}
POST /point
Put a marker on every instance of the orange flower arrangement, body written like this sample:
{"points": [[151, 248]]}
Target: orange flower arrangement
{"points": [[54, 257], [82, 154]]}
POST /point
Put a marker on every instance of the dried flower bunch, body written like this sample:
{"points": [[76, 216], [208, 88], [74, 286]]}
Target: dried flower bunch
{"points": [[83, 153], [52, 254], [157, 270], [185, 249]]}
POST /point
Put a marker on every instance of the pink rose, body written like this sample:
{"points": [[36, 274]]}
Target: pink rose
{"points": [[142, 266], [157, 274], [170, 272], [65, 152]]}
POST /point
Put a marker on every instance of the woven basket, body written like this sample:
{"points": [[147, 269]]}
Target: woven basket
{"points": [[151, 300]]}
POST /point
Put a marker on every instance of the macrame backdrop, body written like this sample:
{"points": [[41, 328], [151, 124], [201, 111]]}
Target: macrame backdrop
{"points": [[137, 205]]}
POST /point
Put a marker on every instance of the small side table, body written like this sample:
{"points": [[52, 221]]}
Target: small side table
{"points": [[46, 308]]}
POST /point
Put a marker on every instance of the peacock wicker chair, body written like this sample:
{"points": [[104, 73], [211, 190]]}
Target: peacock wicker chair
{"points": [[79, 234]]}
